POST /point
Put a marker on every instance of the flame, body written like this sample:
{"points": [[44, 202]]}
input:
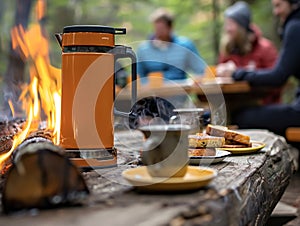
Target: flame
{"points": [[11, 106], [40, 9], [41, 98]]}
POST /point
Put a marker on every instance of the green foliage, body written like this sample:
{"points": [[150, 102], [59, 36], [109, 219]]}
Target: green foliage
{"points": [[194, 19], [6, 18], [262, 18]]}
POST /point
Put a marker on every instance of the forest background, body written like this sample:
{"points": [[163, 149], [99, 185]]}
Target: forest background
{"points": [[200, 20]]}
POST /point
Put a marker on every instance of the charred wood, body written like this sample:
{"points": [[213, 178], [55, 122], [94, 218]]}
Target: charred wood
{"points": [[47, 177], [11, 127]]}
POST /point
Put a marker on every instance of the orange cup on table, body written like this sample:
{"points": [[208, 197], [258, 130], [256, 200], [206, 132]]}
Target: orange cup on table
{"points": [[210, 71], [155, 79], [209, 74]]}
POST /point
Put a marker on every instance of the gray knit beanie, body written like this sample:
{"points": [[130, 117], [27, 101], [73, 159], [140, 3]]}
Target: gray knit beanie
{"points": [[240, 13]]}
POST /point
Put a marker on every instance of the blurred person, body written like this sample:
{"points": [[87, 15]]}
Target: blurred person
{"points": [[243, 46], [277, 117], [166, 52], [171, 56]]}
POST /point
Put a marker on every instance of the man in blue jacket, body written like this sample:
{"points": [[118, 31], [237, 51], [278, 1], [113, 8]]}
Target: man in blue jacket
{"points": [[171, 55], [165, 52]]}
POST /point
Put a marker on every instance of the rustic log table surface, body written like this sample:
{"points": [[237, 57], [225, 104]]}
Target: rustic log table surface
{"points": [[245, 192]]}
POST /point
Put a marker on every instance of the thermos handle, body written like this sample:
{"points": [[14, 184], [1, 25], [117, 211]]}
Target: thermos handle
{"points": [[58, 37], [126, 52]]}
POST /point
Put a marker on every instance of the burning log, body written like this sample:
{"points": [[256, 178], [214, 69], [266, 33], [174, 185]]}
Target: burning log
{"points": [[12, 127], [8, 129], [41, 176], [6, 143]]}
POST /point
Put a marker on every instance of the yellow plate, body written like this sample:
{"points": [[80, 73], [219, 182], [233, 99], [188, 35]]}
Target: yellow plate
{"points": [[256, 146], [196, 177]]}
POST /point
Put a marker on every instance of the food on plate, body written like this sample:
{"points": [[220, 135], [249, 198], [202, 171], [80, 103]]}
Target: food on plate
{"points": [[215, 130], [201, 140], [233, 139], [204, 145], [202, 152]]}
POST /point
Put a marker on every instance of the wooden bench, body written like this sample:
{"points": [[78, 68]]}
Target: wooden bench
{"points": [[293, 134]]}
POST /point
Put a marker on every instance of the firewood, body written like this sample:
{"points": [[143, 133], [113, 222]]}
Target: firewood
{"points": [[6, 143], [41, 176], [41, 133], [8, 129], [11, 127]]}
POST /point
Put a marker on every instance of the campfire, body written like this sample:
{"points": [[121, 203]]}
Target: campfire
{"points": [[29, 155], [41, 97], [69, 114]]}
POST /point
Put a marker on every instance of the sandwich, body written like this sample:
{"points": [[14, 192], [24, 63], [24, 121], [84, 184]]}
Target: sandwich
{"points": [[204, 145], [233, 139]]}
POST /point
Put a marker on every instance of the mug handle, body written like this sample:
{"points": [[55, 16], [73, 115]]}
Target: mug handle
{"points": [[121, 51]]}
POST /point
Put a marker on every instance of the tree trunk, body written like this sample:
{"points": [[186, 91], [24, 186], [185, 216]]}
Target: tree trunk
{"points": [[1, 10], [216, 28], [14, 75]]}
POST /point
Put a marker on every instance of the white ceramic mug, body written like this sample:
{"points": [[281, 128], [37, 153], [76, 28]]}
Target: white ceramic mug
{"points": [[165, 151]]}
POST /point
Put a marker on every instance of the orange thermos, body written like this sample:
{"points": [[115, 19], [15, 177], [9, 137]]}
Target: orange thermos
{"points": [[89, 54]]}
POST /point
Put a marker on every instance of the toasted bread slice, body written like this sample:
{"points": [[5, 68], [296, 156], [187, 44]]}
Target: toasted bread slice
{"points": [[230, 135], [202, 152], [237, 145], [237, 137], [200, 140], [216, 130], [232, 143]]}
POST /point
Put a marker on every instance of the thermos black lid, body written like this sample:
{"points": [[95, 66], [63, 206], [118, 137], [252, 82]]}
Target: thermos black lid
{"points": [[94, 28]]}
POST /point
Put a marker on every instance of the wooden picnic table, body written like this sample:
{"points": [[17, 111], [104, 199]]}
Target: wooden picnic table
{"points": [[211, 93], [244, 192], [207, 87]]}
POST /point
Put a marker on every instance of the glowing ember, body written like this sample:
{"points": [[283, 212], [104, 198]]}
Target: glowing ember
{"points": [[41, 98]]}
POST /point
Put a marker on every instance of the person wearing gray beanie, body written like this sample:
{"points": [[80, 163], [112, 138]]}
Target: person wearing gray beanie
{"points": [[276, 118], [240, 13], [243, 46], [242, 41]]}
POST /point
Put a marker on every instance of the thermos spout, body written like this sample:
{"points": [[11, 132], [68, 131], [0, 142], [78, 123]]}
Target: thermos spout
{"points": [[59, 38]]}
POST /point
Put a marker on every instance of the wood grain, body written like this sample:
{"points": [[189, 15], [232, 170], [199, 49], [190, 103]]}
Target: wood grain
{"points": [[245, 192]]}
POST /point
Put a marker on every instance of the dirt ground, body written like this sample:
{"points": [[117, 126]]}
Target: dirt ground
{"points": [[290, 197]]}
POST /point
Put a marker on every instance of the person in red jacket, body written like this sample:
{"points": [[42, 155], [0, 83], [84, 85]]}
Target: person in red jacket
{"points": [[243, 46], [260, 54]]}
